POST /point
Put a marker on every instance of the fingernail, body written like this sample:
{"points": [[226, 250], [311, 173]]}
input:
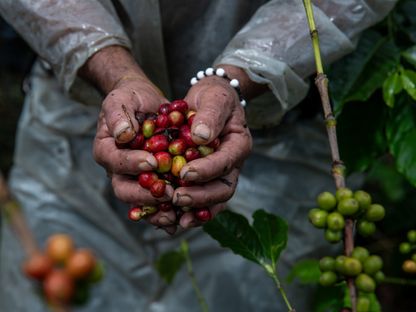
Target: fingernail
{"points": [[190, 175], [151, 160], [145, 166], [168, 193], [182, 200], [123, 132], [191, 223], [202, 131]]}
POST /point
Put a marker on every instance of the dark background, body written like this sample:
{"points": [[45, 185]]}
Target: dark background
{"points": [[16, 59]]}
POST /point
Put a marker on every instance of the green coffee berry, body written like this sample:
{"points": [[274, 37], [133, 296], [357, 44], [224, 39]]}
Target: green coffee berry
{"points": [[372, 264], [326, 201], [339, 263], [360, 253], [327, 264], [348, 206], [379, 277], [411, 236], [363, 199], [363, 304], [375, 213], [405, 248], [352, 267], [342, 193], [328, 278], [333, 236], [318, 217], [366, 228], [335, 221], [365, 283]]}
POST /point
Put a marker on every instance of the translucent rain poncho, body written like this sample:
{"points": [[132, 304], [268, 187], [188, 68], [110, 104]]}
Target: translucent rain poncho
{"points": [[62, 189]]}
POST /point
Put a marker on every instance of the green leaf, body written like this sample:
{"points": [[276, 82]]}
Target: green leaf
{"points": [[409, 82], [361, 133], [405, 19], [401, 136], [392, 86], [410, 55], [272, 232], [329, 299], [233, 231], [169, 264], [344, 73], [358, 75], [391, 183], [374, 303], [307, 271], [386, 59]]}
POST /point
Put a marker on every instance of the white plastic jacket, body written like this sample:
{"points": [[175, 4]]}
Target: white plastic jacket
{"points": [[63, 190]]}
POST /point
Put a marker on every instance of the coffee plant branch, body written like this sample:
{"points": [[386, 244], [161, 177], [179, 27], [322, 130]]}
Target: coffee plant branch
{"points": [[338, 169], [11, 211]]}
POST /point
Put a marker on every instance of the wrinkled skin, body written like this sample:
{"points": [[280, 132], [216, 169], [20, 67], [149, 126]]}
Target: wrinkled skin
{"points": [[218, 114]]}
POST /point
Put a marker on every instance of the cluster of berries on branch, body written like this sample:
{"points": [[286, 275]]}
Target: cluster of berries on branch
{"points": [[409, 247], [62, 272], [333, 209], [331, 215]]}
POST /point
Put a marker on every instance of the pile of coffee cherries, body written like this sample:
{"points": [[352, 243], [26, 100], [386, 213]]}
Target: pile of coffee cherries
{"points": [[409, 247], [363, 267], [333, 209], [62, 272], [167, 135]]}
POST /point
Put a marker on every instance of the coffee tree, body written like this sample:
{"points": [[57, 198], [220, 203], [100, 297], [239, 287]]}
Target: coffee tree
{"points": [[371, 113]]}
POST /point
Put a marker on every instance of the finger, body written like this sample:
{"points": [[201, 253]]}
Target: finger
{"points": [[188, 220], [119, 108], [216, 191], [234, 149], [122, 161], [163, 218], [170, 229], [214, 105], [129, 191]]}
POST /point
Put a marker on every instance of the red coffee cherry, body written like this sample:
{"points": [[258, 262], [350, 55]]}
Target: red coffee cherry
{"points": [[179, 105], [176, 118], [146, 179], [135, 214], [203, 214], [137, 142], [165, 109], [158, 188], [162, 121]]}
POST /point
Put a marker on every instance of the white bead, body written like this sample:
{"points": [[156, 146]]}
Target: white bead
{"points": [[209, 71], [200, 74], [243, 103], [220, 72], [194, 81], [234, 83]]}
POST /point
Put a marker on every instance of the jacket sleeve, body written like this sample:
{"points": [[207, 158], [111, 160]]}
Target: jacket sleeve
{"points": [[275, 48], [65, 33]]}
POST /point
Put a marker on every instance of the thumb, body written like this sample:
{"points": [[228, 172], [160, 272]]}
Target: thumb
{"points": [[214, 107], [119, 114]]}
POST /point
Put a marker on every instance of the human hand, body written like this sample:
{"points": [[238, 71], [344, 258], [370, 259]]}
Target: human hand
{"points": [[127, 92], [218, 114]]}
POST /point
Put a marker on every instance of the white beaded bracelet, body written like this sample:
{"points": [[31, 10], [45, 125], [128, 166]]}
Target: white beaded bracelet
{"points": [[220, 72]]}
